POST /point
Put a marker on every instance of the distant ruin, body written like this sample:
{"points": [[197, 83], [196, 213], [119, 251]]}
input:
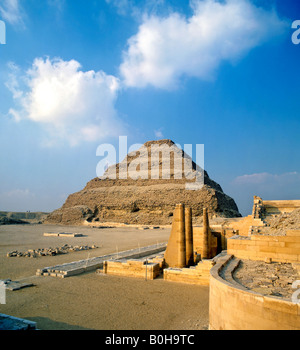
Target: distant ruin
{"points": [[263, 209], [15, 218]]}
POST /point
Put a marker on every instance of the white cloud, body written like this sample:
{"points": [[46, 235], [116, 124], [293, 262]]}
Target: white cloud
{"points": [[267, 178], [71, 104], [122, 6], [19, 193], [136, 8], [266, 185], [158, 134], [167, 48], [11, 12]]}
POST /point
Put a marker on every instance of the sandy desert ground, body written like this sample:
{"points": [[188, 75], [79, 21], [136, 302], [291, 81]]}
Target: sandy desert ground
{"points": [[92, 301]]}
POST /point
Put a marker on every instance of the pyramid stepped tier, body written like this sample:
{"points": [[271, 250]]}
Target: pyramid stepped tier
{"points": [[143, 189]]}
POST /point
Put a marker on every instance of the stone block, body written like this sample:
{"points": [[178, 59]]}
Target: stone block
{"points": [[280, 305]]}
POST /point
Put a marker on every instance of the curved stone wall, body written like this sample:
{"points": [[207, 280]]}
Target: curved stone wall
{"points": [[233, 307]]}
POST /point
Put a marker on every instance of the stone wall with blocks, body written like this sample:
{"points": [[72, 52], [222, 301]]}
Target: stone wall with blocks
{"points": [[279, 207], [259, 247], [132, 268], [242, 225], [198, 274], [198, 241]]}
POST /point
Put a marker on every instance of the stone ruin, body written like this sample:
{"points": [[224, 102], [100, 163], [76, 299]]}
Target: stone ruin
{"points": [[251, 282], [184, 260], [145, 200], [264, 209], [251, 278]]}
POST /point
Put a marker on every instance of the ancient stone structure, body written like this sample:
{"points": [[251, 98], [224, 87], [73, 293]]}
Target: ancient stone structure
{"points": [[259, 247], [258, 208], [206, 236], [264, 214], [148, 197], [195, 268], [189, 246], [176, 252], [92, 264], [220, 251], [234, 307], [132, 268], [198, 274], [263, 209], [180, 262]]}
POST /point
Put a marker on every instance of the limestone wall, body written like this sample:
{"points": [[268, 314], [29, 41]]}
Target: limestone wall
{"points": [[235, 308], [198, 274], [258, 247], [279, 207], [218, 238], [132, 268], [198, 241], [243, 225], [263, 209]]}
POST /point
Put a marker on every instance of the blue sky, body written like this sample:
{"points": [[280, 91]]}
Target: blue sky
{"points": [[75, 74]]}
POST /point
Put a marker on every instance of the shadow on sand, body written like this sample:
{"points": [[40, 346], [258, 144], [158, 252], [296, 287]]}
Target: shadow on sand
{"points": [[44, 323]]}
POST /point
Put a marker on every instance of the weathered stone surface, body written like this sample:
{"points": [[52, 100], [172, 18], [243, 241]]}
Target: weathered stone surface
{"points": [[144, 201], [268, 279]]}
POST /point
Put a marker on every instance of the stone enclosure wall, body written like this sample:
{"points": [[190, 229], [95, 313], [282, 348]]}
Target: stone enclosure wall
{"points": [[232, 307], [259, 247], [132, 268]]}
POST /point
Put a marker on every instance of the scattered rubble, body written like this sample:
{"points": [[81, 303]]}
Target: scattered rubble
{"points": [[65, 249], [268, 278], [285, 221], [277, 225]]}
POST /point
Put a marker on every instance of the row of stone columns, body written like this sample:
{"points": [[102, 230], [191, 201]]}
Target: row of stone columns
{"points": [[180, 249], [206, 233]]}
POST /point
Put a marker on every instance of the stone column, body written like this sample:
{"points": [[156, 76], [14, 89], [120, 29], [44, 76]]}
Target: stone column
{"points": [[206, 234], [189, 249], [180, 218]]}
